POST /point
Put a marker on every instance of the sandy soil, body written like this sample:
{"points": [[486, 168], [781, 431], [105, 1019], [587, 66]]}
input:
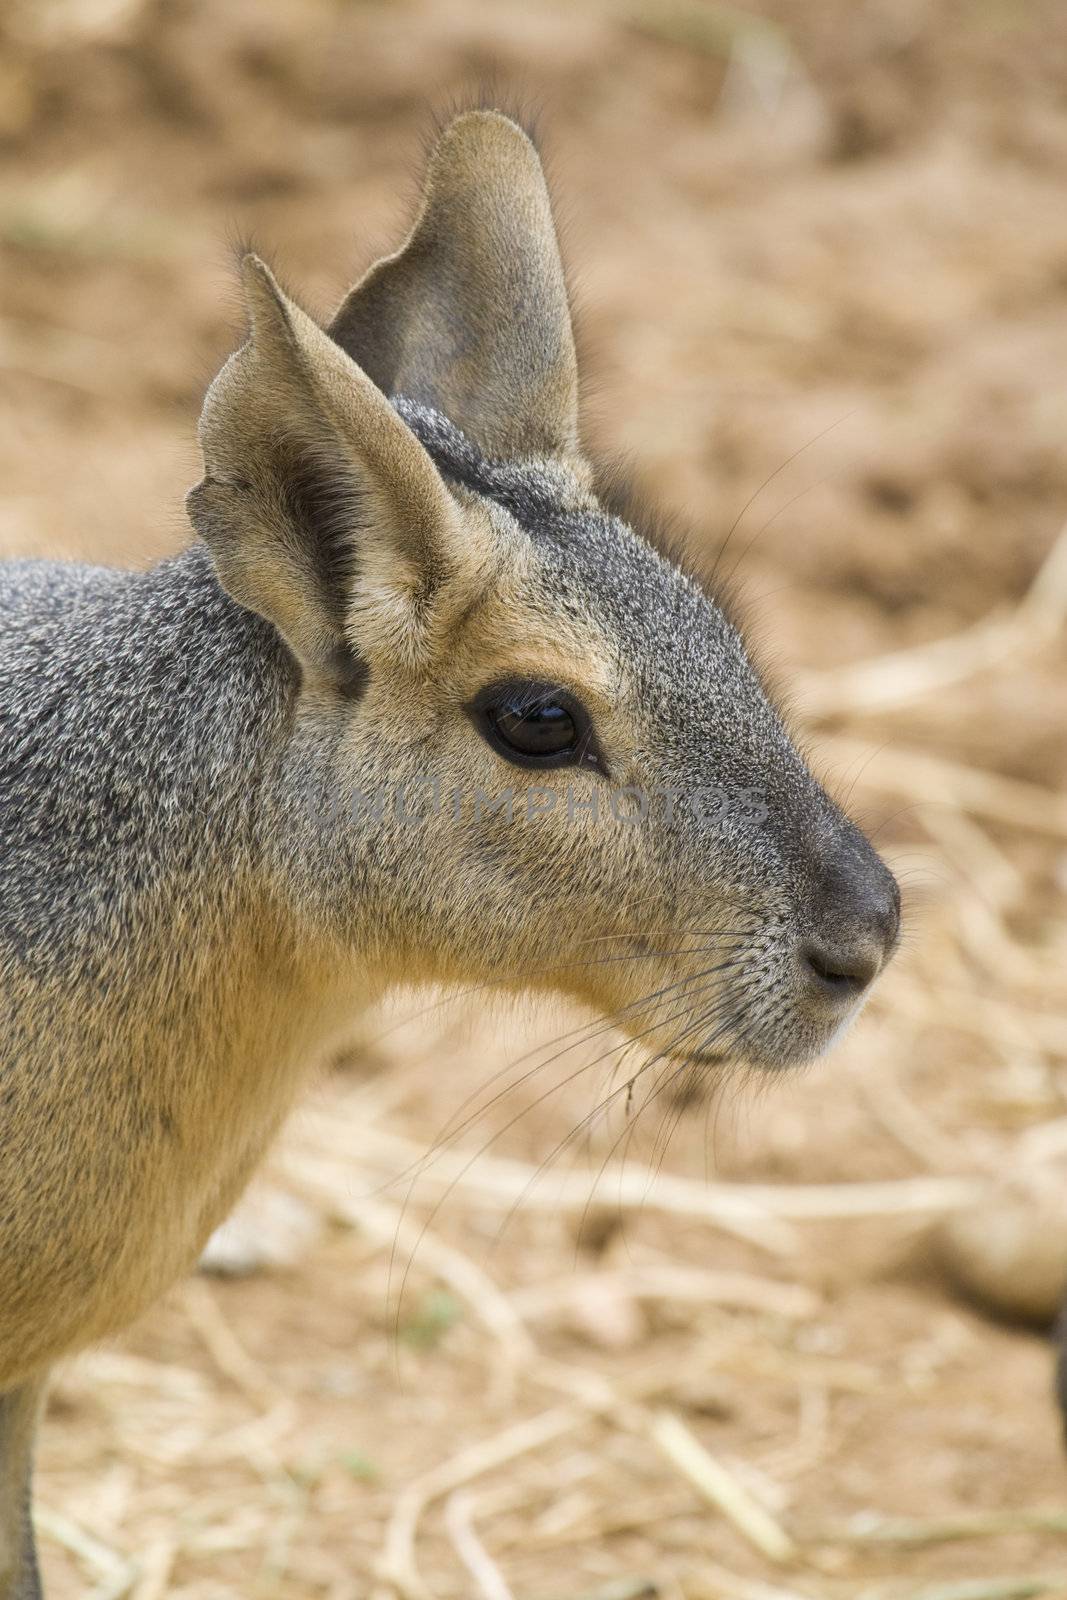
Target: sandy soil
{"points": [[820, 255]]}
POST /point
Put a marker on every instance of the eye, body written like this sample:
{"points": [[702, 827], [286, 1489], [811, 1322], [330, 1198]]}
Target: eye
{"points": [[535, 725]]}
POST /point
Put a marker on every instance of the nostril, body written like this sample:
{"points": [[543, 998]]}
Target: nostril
{"points": [[838, 972]]}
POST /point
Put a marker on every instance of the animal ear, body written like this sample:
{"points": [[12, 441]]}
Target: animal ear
{"points": [[316, 495], [471, 315]]}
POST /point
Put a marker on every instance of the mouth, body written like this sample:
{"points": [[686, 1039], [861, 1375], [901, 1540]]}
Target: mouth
{"points": [[705, 1058], [692, 1084]]}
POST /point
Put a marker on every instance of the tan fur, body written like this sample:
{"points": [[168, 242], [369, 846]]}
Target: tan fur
{"points": [[205, 1102]]}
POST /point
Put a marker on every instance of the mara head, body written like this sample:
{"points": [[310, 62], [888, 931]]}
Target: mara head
{"points": [[526, 749]]}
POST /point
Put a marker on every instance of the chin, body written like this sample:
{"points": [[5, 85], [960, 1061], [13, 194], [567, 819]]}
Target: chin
{"points": [[799, 1049]]}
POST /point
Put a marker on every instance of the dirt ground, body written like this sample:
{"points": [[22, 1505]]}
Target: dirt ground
{"points": [[819, 249]]}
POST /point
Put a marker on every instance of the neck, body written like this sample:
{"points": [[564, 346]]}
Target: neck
{"points": [[169, 999]]}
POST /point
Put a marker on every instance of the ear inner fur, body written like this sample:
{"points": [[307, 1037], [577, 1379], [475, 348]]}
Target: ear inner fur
{"points": [[292, 412]]}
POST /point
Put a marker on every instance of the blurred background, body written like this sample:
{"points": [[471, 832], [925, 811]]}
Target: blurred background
{"points": [[791, 1343]]}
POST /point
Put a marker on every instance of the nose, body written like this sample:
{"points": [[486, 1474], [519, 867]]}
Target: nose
{"points": [[840, 972], [854, 925]]}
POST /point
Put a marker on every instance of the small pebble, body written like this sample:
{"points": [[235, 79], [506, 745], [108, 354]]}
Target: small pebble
{"points": [[268, 1230], [1007, 1251]]}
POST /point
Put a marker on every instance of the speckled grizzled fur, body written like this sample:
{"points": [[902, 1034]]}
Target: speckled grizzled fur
{"points": [[395, 513]]}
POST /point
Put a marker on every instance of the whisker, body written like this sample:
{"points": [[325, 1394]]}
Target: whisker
{"points": [[504, 986], [593, 1030], [587, 1121], [500, 1132], [626, 1135], [754, 496]]}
